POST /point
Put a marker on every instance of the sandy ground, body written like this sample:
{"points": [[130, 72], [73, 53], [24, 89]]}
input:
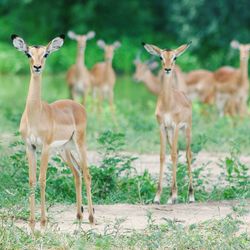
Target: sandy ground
{"points": [[62, 217]]}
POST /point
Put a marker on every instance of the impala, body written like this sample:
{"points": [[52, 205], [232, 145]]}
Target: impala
{"points": [[143, 73], [200, 85], [61, 125], [232, 84], [173, 112], [78, 76], [103, 75]]}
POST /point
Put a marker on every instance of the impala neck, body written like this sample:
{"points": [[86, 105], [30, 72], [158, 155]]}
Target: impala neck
{"points": [[80, 58], [166, 92], [34, 102], [244, 68], [108, 63]]}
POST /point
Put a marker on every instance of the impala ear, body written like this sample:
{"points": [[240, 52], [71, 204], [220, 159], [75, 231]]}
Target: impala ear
{"points": [[116, 44], [152, 49], [19, 43], [90, 35], [55, 44], [180, 50], [235, 44], [72, 35], [101, 44]]}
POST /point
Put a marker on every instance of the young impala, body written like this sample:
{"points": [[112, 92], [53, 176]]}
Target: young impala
{"points": [[78, 76], [61, 124], [103, 75], [173, 112], [143, 73]]}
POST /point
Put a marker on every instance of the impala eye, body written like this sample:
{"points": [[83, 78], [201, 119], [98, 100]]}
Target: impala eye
{"points": [[175, 58], [161, 58], [46, 55]]}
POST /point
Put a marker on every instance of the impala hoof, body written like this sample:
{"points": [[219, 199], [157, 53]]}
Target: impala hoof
{"points": [[172, 201], [91, 219], [191, 199]]}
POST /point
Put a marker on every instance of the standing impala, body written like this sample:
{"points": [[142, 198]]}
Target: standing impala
{"points": [[103, 75], [232, 84], [173, 112], [61, 124], [78, 76]]}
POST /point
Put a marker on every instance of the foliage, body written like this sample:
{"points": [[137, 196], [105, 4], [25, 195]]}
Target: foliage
{"points": [[213, 234], [166, 23]]}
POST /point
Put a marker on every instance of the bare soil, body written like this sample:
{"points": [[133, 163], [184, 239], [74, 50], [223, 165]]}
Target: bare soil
{"points": [[134, 217]]}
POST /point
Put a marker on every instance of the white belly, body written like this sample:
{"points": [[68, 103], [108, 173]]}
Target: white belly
{"points": [[34, 140], [59, 143], [170, 124]]}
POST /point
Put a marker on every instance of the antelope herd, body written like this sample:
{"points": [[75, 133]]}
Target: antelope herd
{"points": [[62, 124]]}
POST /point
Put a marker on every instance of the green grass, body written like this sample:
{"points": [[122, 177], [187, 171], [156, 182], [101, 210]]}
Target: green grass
{"points": [[135, 108], [213, 234]]}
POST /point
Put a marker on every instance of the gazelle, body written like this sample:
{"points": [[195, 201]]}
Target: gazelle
{"points": [[78, 76], [173, 112], [103, 74], [232, 84], [61, 124]]}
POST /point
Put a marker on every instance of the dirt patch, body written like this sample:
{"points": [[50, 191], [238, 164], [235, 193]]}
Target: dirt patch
{"points": [[135, 216]]}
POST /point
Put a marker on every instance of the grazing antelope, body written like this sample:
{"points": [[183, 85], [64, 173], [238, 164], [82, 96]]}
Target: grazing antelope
{"points": [[78, 76], [232, 84], [173, 112], [61, 125], [143, 73], [103, 75], [200, 85]]}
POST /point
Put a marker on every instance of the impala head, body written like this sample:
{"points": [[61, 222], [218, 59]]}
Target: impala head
{"points": [[244, 49], [81, 39], [142, 67], [37, 54], [167, 56], [108, 49]]}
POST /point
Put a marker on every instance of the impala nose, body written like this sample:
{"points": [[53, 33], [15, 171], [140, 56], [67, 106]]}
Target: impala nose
{"points": [[167, 70], [37, 68]]}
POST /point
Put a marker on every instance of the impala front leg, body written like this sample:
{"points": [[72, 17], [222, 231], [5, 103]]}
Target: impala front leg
{"points": [[174, 156], [42, 178], [163, 136], [189, 160], [31, 155]]}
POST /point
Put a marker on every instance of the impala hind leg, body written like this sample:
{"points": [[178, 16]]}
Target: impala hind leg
{"points": [[73, 165], [174, 156], [163, 136], [86, 176], [31, 155], [189, 160], [42, 179]]}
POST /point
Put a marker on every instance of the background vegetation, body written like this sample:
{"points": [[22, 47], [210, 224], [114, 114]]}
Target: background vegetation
{"points": [[211, 25]]}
